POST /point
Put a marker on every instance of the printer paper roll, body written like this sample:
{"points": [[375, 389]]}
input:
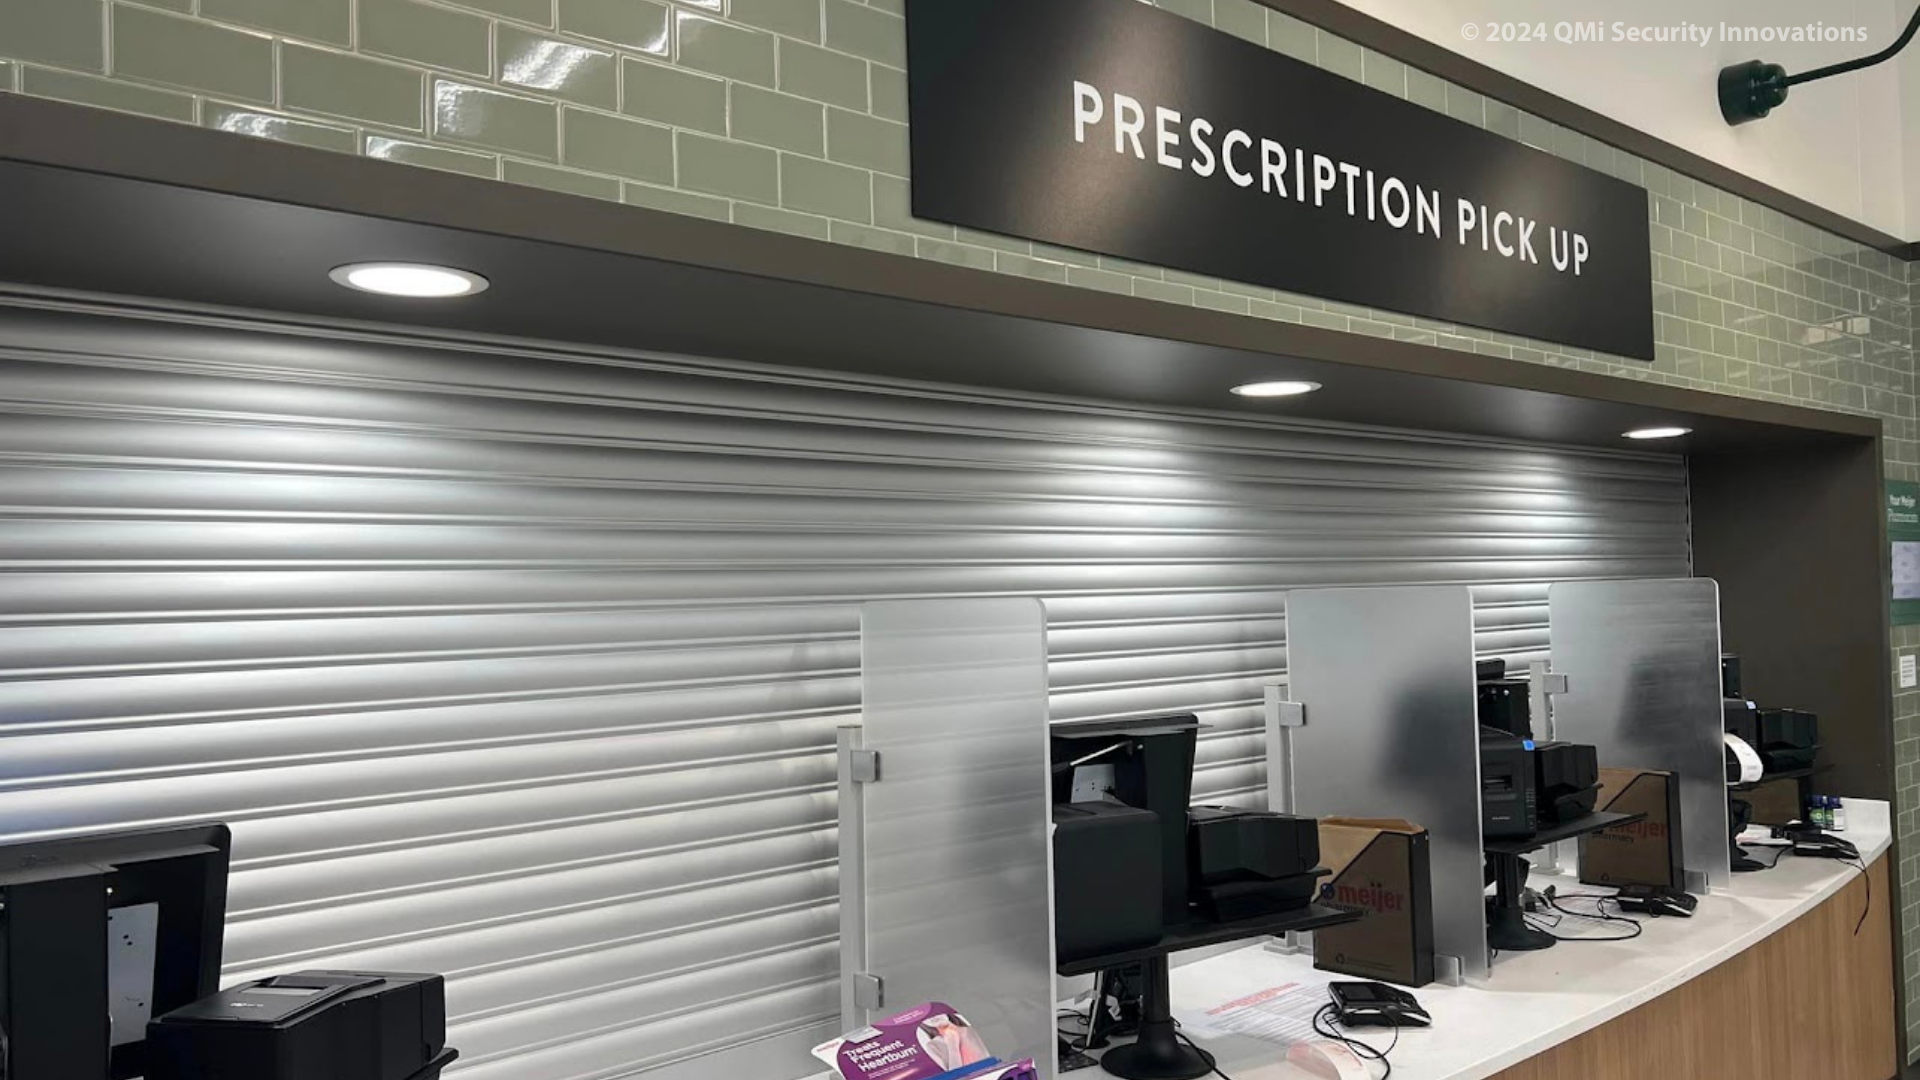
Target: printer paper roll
{"points": [[1750, 767]]}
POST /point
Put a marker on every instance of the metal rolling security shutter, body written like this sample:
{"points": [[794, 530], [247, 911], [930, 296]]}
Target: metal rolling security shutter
{"points": [[523, 664]]}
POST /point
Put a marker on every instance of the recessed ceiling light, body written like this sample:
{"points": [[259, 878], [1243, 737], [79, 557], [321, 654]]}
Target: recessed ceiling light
{"points": [[413, 280], [1658, 432], [1281, 388]]}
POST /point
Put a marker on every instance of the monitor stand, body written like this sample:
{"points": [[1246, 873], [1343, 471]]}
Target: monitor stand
{"points": [[1507, 929], [1161, 1053], [1739, 815], [1158, 1054]]}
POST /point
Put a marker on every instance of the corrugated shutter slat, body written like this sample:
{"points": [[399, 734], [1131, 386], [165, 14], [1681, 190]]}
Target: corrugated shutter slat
{"points": [[522, 663]]}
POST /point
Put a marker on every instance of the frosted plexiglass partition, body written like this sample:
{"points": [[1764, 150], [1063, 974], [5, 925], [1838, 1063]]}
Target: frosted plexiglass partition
{"points": [[1642, 661], [951, 841], [1387, 683]]}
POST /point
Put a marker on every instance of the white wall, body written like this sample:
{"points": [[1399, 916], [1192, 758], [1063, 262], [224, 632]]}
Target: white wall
{"points": [[1838, 143], [1908, 79]]}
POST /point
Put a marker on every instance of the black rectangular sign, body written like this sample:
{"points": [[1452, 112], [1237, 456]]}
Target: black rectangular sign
{"points": [[1117, 128]]}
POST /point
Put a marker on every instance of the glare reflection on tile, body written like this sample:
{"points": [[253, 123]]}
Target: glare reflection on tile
{"points": [[548, 65]]}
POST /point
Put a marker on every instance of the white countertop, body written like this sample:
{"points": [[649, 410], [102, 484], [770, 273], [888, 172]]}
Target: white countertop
{"points": [[1534, 1001]]}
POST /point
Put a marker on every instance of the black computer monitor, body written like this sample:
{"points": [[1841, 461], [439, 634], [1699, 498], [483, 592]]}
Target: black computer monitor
{"points": [[99, 933]]}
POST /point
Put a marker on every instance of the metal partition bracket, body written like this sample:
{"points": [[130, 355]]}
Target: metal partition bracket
{"points": [[1291, 943], [863, 766], [1447, 970], [1282, 718], [868, 991], [853, 888], [1542, 686], [1280, 710]]}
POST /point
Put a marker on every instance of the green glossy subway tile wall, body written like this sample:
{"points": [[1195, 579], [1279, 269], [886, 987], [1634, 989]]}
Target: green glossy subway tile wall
{"points": [[799, 106], [791, 115]]}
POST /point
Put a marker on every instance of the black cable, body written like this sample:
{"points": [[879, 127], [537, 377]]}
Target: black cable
{"points": [[1777, 852], [1859, 62], [1601, 900], [1095, 1009], [1868, 878], [1578, 940], [1214, 1065], [1599, 915], [1086, 1025], [1329, 1015], [1361, 1049], [1858, 861], [1087, 1031]]}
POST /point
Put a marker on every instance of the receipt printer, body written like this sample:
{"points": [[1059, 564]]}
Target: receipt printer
{"points": [[1244, 864], [1509, 805], [312, 1025]]}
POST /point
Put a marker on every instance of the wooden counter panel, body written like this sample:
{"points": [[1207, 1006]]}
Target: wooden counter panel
{"points": [[1811, 1001]]}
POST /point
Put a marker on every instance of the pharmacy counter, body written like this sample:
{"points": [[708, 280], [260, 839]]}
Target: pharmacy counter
{"points": [[1768, 981]]}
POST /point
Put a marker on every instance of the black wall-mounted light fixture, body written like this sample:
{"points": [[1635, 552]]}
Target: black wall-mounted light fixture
{"points": [[1751, 90]]}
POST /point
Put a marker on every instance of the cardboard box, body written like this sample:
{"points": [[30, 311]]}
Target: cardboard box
{"points": [[1642, 853], [1385, 868]]}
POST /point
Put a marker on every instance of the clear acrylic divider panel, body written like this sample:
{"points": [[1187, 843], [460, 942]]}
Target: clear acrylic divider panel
{"points": [[958, 870], [1386, 678], [1642, 661]]}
